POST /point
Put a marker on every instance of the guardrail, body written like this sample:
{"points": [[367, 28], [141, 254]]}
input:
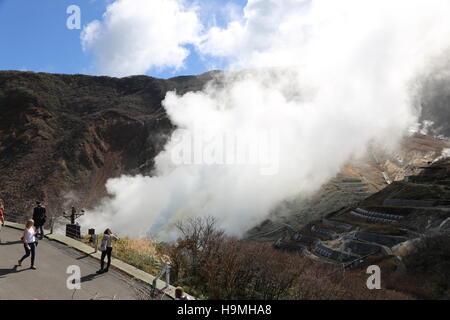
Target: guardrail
{"points": [[165, 271]]}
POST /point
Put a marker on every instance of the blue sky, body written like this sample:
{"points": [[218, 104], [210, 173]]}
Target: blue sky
{"points": [[35, 37]]}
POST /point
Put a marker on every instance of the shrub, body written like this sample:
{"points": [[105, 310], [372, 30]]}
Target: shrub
{"points": [[222, 267], [432, 260]]}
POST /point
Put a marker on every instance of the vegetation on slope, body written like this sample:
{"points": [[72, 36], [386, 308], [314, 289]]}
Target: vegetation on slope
{"points": [[211, 265], [145, 254]]}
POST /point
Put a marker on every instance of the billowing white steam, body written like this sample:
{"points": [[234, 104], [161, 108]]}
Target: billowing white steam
{"points": [[343, 78]]}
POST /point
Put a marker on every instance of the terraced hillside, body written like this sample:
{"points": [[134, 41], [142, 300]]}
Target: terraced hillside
{"points": [[390, 224], [357, 181]]}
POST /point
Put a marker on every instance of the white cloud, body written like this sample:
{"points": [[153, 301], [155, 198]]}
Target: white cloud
{"points": [[292, 32], [135, 36], [264, 27], [346, 80]]}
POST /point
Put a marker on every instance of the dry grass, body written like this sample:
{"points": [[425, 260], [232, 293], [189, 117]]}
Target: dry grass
{"points": [[142, 246], [145, 254]]}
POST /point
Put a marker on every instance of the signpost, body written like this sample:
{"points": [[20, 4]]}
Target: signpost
{"points": [[73, 229]]}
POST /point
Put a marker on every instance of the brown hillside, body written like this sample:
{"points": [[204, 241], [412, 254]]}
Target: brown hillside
{"points": [[61, 133]]}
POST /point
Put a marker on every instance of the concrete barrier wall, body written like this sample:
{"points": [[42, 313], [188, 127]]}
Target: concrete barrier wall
{"points": [[305, 239], [362, 249], [338, 225], [289, 246], [384, 240], [324, 232], [409, 203], [334, 255], [379, 214], [371, 218]]}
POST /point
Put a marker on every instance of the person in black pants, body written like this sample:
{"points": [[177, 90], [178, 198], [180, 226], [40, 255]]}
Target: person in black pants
{"points": [[29, 243], [39, 217], [106, 248]]}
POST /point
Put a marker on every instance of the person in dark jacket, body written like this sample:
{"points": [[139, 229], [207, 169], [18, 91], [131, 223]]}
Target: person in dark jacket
{"points": [[39, 217]]}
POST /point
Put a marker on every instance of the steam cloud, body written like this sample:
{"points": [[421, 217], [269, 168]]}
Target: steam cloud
{"points": [[329, 78]]}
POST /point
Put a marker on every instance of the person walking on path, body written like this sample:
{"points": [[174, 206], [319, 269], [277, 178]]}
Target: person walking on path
{"points": [[106, 249], [29, 243], [2, 217], [39, 217], [2, 213]]}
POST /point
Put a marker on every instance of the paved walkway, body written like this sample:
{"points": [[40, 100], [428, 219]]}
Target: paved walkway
{"points": [[49, 280]]}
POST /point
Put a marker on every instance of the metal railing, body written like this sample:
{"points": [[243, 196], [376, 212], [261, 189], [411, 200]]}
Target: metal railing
{"points": [[165, 271]]}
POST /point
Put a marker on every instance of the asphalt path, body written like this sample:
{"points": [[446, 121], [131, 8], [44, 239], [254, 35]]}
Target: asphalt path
{"points": [[49, 281]]}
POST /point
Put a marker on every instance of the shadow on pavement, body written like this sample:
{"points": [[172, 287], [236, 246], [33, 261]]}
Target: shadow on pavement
{"points": [[7, 243], [4, 272], [90, 277], [85, 255]]}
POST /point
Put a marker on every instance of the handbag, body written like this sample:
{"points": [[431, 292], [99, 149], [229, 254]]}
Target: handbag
{"points": [[103, 245]]}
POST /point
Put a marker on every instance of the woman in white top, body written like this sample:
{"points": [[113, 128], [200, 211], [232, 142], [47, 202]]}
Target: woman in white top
{"points": [[106, 248], [29, 243]]}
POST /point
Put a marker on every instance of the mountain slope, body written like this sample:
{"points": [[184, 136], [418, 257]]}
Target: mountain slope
{"points": [[63, 136], [61, 133]]}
